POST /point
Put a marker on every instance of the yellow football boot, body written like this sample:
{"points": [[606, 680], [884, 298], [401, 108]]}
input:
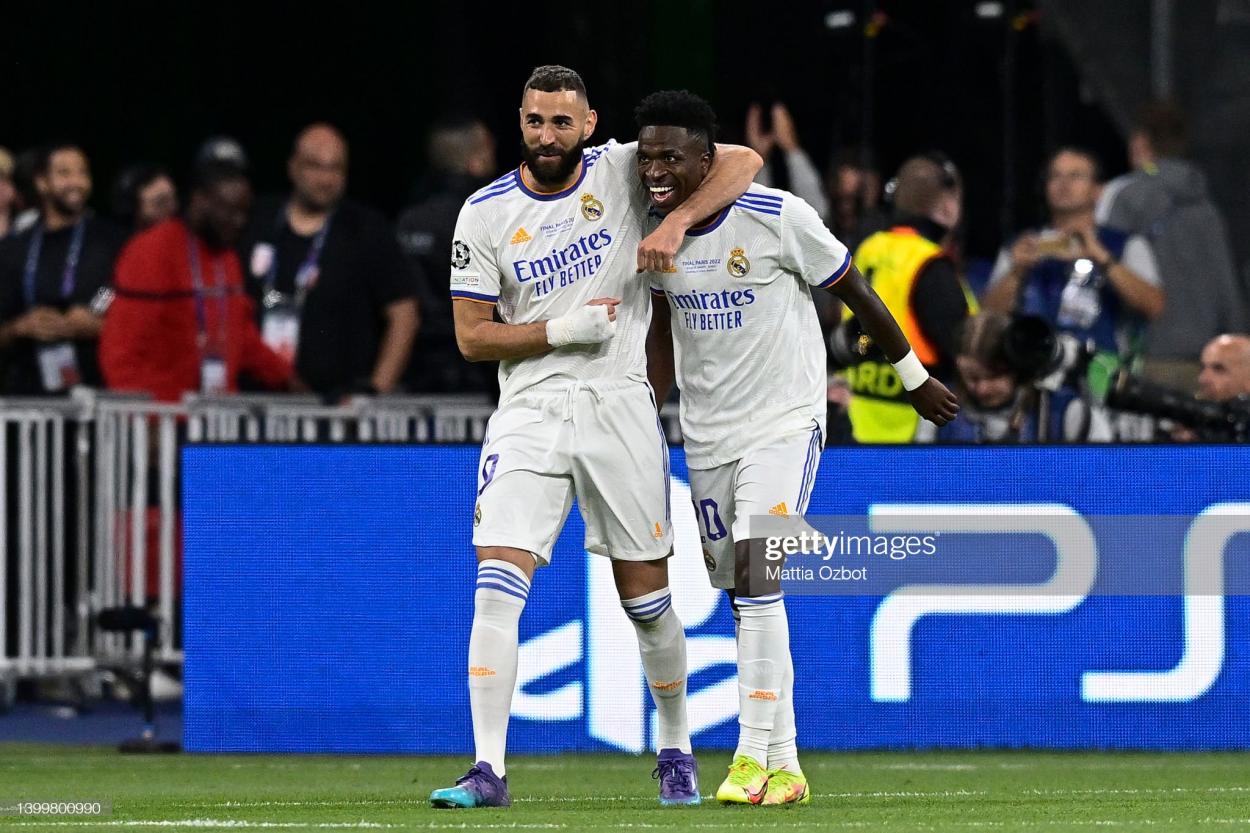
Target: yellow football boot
{"points": [[746, 783], [786, 787]]}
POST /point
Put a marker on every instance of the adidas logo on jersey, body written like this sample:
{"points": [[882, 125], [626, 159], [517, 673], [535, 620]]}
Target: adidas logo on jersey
{"points": [[780, 509], [521, 236]]}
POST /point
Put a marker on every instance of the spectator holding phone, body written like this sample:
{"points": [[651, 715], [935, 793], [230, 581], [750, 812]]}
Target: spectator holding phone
{"points": [[1094, 282]]}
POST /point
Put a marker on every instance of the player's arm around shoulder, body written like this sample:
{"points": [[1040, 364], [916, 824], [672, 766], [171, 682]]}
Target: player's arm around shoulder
{"points": [[733, 170]]}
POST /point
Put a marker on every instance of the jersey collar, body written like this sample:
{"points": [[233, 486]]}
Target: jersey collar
{"points": [[711, 225]]}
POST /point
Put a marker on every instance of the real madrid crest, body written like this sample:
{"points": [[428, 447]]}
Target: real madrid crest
{"points": [[477, 514], [709, 561], [738, 265], [592, 209]]}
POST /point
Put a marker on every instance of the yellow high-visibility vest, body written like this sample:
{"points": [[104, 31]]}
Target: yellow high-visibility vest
{"points": [[891, 261]]}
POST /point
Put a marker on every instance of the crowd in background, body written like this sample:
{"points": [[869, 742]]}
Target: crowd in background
{"points": [[201, 287]]}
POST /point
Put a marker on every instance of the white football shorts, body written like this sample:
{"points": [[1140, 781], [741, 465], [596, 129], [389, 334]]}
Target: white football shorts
{"points": [[772, 479], [599, 441]]}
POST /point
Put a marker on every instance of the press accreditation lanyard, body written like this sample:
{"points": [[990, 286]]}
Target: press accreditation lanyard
{"points": [[69, 276], [200, 292], [307, 269]]}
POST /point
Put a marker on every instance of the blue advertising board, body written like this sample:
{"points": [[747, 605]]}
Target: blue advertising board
{"points": [[329, 594]]}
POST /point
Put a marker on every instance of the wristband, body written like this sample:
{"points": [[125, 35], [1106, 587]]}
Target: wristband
{"points": [[911, 371]]}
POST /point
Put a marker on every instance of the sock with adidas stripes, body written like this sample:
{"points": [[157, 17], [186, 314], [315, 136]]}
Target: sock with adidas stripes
{"points": [[502, 590], [662, 644]]}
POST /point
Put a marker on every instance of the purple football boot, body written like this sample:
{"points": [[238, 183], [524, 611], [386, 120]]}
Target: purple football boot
{"points": [[479, 787], [678, 774]]}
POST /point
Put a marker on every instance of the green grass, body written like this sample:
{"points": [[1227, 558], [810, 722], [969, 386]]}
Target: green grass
{"points": [[973, 791]]}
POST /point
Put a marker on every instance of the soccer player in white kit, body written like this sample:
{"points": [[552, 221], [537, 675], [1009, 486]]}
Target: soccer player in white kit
{"points": [[735, 320], [554, 249]]}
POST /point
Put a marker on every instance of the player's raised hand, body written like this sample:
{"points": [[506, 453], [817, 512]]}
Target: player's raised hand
{"points": [[786, 135], [934, 402], [757, 139], [657, 252]]}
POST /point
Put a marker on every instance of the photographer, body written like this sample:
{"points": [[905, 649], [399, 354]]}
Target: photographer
{"points": [[998, 407], [1221, 411], [1091, 281], [1225, 368]]}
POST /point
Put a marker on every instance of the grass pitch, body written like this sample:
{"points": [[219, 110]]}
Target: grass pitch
{"points": [[973, 791]]}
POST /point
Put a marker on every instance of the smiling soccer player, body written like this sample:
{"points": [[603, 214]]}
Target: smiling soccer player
{"points": [[750, 363]]}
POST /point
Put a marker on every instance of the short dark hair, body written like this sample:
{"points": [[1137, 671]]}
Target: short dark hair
{"points": [[1163, 122], [132, 180], [1075, 150], [208, 175], [678, 108], [983, 337], [553, 78], [43, 160], [453, 139]]}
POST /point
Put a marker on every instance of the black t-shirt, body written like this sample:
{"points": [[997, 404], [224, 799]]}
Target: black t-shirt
{"points": [[101, 243], [425, 236], [940, 307], [343, 318]]}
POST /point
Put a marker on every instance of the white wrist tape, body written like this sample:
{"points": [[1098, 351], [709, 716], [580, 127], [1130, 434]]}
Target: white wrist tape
{"points": [[588, 325], [911, 371]]}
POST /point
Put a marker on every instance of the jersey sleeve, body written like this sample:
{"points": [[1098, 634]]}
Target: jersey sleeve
{"points": [[619, 157], [808, 248], [474, 267]]}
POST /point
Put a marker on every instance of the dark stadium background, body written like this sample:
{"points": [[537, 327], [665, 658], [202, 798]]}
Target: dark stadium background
{"points": [[149, 81]]}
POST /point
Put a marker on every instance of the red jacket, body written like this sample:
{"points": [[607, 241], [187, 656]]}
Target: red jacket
{"points": [[150, 341]]}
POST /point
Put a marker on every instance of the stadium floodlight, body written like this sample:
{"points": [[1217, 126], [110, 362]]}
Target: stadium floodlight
{"points": [[841, 19], [989, 10]]}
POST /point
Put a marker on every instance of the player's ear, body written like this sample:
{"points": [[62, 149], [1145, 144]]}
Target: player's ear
{"points": [[705, 162], [592, 119]]}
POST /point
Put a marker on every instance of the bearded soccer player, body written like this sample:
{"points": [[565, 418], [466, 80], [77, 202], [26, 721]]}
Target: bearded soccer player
{"points": [[736, 323], [553, 248]]}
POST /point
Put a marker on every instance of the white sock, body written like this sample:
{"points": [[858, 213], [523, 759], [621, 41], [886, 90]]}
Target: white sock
{"points": [[763, 645], [662, 643], [783, 751], [502, 589]]}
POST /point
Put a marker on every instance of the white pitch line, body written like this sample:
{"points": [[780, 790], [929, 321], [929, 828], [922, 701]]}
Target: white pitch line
{"points": [[1139, 791], [210, 824], [933, 767], [820, 823]]}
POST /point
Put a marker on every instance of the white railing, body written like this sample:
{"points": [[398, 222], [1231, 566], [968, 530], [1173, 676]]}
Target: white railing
{"points": [[89, 512]]}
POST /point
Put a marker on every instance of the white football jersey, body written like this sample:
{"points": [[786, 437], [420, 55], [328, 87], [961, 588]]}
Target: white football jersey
{"points": [[749, 353], [539, 256]]}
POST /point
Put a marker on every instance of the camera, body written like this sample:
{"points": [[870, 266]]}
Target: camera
{"points": [[1040, 355], [1212, 421]]}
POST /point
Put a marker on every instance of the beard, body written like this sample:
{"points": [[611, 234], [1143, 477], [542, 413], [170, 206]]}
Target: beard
{"points": [[540, 167], [313, 202], [65, 205]]}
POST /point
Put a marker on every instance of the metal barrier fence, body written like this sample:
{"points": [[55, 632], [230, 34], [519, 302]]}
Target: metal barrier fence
{"points": [[89, 505]]}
